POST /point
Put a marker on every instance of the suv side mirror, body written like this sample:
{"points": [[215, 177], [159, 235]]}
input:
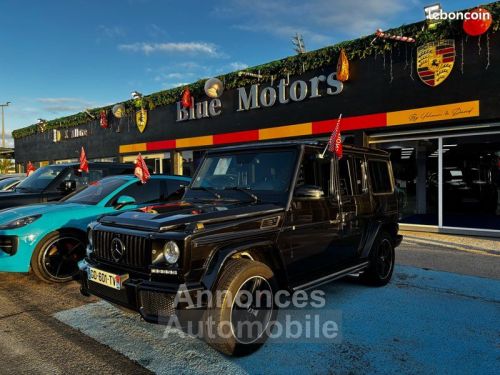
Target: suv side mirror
{"points": [[124, 200], [67, 186], [309, 191]]}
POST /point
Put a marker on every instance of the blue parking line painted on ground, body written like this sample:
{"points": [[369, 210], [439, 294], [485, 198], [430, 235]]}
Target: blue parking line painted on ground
{"points": [[423, 322]]}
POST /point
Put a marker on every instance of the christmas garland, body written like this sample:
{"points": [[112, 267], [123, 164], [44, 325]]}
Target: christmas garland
{"points": [[293, 65]]}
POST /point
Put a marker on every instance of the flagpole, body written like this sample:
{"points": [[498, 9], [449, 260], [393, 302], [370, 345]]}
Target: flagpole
{"points": [[328, 144]]}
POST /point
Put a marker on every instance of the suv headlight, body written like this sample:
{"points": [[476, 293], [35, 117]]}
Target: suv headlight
{"points": [[90, 233], [171, 252], [18, 223]]}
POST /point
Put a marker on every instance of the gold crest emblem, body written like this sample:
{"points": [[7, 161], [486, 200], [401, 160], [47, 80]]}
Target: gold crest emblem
{"points": [[141, 119], [435, 61]]}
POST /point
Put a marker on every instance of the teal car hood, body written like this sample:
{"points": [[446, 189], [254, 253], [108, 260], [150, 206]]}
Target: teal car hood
{"points": [[15, 213]]}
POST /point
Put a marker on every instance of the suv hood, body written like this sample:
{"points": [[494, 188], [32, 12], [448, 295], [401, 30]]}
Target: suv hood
{"points": [[171, 216]]}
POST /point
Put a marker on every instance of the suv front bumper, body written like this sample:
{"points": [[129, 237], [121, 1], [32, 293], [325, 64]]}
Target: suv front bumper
{"points": [[157, 302]]}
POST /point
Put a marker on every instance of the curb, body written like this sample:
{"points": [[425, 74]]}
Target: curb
{"points": [[452, 245]]}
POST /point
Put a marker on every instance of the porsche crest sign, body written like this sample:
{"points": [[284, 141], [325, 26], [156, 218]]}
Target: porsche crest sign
{"points": [[435, 61]]}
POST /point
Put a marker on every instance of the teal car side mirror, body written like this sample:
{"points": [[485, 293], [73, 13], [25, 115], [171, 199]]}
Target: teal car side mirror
{"points": [[124, 200]]}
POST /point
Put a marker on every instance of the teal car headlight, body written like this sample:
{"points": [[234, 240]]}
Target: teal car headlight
{"points": [[19, 223]]}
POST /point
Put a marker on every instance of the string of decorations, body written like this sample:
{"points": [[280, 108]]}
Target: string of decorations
{"points": [[293, 65]]}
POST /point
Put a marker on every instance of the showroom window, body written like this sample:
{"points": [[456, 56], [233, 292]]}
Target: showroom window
{"points": [[380, 177], [415, 169]]}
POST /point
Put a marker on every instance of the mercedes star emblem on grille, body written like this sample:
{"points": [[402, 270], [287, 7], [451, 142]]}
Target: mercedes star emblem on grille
{"points": [[117, 249]]}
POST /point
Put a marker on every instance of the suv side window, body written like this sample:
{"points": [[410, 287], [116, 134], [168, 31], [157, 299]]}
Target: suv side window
{"points": [[83, 179], [315, 172], [360, 181], [72, 174], [150, 192], [380, 176]]}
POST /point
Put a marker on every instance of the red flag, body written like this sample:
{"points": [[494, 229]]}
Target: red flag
{"points": [[141, 169], [335, 142], [30, 168], [186, 100], [84, 164], [104, 119]]}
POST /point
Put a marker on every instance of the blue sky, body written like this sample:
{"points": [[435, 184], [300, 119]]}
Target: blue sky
{"points": [[58, 57]]}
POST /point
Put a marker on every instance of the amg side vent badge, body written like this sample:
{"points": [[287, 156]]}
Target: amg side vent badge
{"points": [[270, 222]]}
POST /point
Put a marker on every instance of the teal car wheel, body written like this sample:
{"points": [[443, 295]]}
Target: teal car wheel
{"points": [[56, 257]]}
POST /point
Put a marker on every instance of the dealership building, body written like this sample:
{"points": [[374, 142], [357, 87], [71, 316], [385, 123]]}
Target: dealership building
{"points": [[434, 105]]}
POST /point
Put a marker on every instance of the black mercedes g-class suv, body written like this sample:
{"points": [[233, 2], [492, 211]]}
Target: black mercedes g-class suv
{"points": [[255, 218]]}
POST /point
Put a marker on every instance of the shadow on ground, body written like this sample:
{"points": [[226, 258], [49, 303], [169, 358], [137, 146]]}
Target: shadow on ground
{"points": [[423, 322]]}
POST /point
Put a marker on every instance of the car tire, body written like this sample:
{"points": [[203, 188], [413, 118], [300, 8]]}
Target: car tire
{"points": [[238, 275], [56, 257], [382, 257]]}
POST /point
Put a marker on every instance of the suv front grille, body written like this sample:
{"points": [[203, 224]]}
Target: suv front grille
{"points": [[137, 252]]}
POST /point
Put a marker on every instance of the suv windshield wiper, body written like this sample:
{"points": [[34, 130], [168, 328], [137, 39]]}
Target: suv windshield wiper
{"points": [[214, 193], [244, 190]]}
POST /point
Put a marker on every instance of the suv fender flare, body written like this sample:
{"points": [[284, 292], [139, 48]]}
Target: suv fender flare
{"points": [[373, 230], [221, 256]]}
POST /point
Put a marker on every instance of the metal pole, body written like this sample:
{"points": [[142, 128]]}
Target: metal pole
{"points": [[3, 123], [3, 129], [440, 182]]}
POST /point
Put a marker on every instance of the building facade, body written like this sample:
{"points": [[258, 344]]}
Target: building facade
{"points": [[443, 132]]}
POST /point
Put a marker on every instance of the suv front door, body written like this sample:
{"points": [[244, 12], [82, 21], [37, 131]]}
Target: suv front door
{"points": [[352, 206], [312, 224]]}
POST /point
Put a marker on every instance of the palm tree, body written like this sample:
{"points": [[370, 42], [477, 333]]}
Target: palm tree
{"points": [[6, 165]]}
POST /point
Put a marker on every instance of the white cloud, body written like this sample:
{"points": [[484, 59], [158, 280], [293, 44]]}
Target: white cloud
{"points": [[110, 31], [64, 104], [155, 31], [207, 49], [61, 100], [9, 141], [319, 21], [63, 108], [169, 76], [238, 65]]}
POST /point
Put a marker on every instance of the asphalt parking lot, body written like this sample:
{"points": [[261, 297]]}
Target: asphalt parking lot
{"points": [[424, 321]]}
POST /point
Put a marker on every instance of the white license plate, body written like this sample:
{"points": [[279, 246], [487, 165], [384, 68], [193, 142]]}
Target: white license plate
{"points": [[106, 278]]}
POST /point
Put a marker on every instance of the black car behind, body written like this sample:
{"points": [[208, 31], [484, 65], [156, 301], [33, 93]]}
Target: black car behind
{"points": [[53, 182]]}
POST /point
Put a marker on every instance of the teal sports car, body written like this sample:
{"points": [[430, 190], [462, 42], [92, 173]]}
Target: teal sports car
{"points": [[51, 238]]}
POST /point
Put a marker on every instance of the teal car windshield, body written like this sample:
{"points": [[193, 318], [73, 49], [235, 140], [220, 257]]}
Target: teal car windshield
{"points": [[95, 192], [40, 179]]}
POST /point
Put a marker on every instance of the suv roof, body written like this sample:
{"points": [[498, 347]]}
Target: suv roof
{"points": [[296, 143]]}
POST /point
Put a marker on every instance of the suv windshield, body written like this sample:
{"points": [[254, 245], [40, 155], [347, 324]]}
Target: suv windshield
{"points": [[95, 192], [265, 173], [41, 178]]}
